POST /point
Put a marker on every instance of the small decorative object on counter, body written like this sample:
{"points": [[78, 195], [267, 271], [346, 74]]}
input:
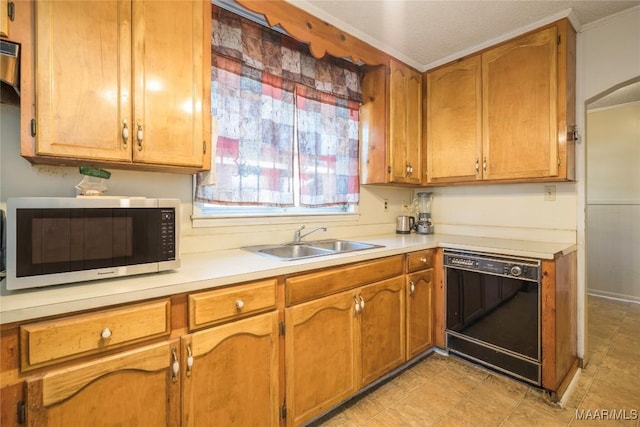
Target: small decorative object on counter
{"points": [[93, 183], [422, 208]]}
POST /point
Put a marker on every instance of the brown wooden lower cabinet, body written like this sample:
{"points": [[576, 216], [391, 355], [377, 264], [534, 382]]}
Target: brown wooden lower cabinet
{"points": [[382, 327], [230, 374], [419, 312], [321, 355], [136, 387], [337, 344]]}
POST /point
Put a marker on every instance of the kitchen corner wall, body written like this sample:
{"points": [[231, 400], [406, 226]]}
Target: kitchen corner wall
{"points": [[509, 211]]}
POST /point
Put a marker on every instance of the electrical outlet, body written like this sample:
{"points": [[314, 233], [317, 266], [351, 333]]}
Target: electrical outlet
{"points": [[386, 205], [549, 193]]}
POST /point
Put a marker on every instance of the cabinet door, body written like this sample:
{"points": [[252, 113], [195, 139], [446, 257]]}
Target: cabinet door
{"points": [[233, 379], [83, 83], [419, 312], [454, 122], [519, 83], [382, 328], [4, 18], [135, 387], [321, 355], [169, 82], [405, 99]]}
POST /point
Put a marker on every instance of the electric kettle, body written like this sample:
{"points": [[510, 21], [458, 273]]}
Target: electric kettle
{"points": [[404, 224]]}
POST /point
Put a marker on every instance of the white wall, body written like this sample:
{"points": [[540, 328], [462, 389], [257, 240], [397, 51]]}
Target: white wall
{"points": [[613, 202], [515, 211], [608, 55]]}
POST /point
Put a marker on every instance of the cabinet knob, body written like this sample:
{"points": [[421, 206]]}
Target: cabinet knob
{"points": [[239, 305], [423, 260], [412, 287], [477, 165], [105, 334], [484, 164]]}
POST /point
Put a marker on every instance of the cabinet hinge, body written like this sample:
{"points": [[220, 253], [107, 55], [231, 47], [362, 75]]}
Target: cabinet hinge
{"points": [[21, 412], [283, 412], [33, 127], [559, 40], [204, 147], [11, 11], [282, 329]]}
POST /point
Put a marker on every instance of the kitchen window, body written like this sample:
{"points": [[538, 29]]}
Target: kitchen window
{"points": [[286, 124]]}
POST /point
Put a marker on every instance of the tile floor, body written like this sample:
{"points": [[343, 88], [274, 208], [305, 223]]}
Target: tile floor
{"points": [[446, 391]]}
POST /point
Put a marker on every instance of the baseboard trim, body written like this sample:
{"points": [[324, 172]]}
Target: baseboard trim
{"points": [[613, 296]]}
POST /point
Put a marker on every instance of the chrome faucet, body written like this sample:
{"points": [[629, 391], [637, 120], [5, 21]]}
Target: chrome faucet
{"points": [[297, 237]]}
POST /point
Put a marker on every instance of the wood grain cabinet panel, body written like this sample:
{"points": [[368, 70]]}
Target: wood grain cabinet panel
{"points": [[308, 286], [136, 387], [219, 305], [233, 378], [405, 124], [419, 312], [122, 83], [44, 343], [382, 328], [322, 355], [391, 125], [506, 113], [420, 260], [454, 122], [520, 90], [339, 343], [4, 18]]}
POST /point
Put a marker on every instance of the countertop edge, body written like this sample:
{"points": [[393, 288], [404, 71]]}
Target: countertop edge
{"points": [[201, 271]]}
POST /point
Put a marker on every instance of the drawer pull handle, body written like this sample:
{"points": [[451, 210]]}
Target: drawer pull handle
{"points": [[239, 305], [423, 260], [175, 366], [105, 334], [189, 360]]}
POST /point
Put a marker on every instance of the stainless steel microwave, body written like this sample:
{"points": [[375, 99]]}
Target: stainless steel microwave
{"points": [[53, 240]]}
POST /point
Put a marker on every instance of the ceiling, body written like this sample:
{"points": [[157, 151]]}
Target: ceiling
{"points": [[428, 33]]}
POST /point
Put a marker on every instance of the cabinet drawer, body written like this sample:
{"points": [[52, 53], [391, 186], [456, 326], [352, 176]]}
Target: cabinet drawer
{"points": [[313, 285], [55, 340], [207, 308], [420, 260]]}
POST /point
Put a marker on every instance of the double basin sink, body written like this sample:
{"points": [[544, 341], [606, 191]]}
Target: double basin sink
{"points": [[295, 251]]}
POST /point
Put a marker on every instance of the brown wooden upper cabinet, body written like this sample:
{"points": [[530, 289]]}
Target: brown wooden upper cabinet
{"points": [[122, 83], [506, 113], [390, 125]]}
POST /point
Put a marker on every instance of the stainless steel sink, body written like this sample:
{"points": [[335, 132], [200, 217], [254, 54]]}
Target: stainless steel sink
{"points": [[342, 245], [294, 251]]}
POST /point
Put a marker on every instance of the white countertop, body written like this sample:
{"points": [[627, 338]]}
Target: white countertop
{"points": [[211, 269]]}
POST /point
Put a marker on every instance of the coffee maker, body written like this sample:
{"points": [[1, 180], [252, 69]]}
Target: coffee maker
{"points": [[422, 208]]}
